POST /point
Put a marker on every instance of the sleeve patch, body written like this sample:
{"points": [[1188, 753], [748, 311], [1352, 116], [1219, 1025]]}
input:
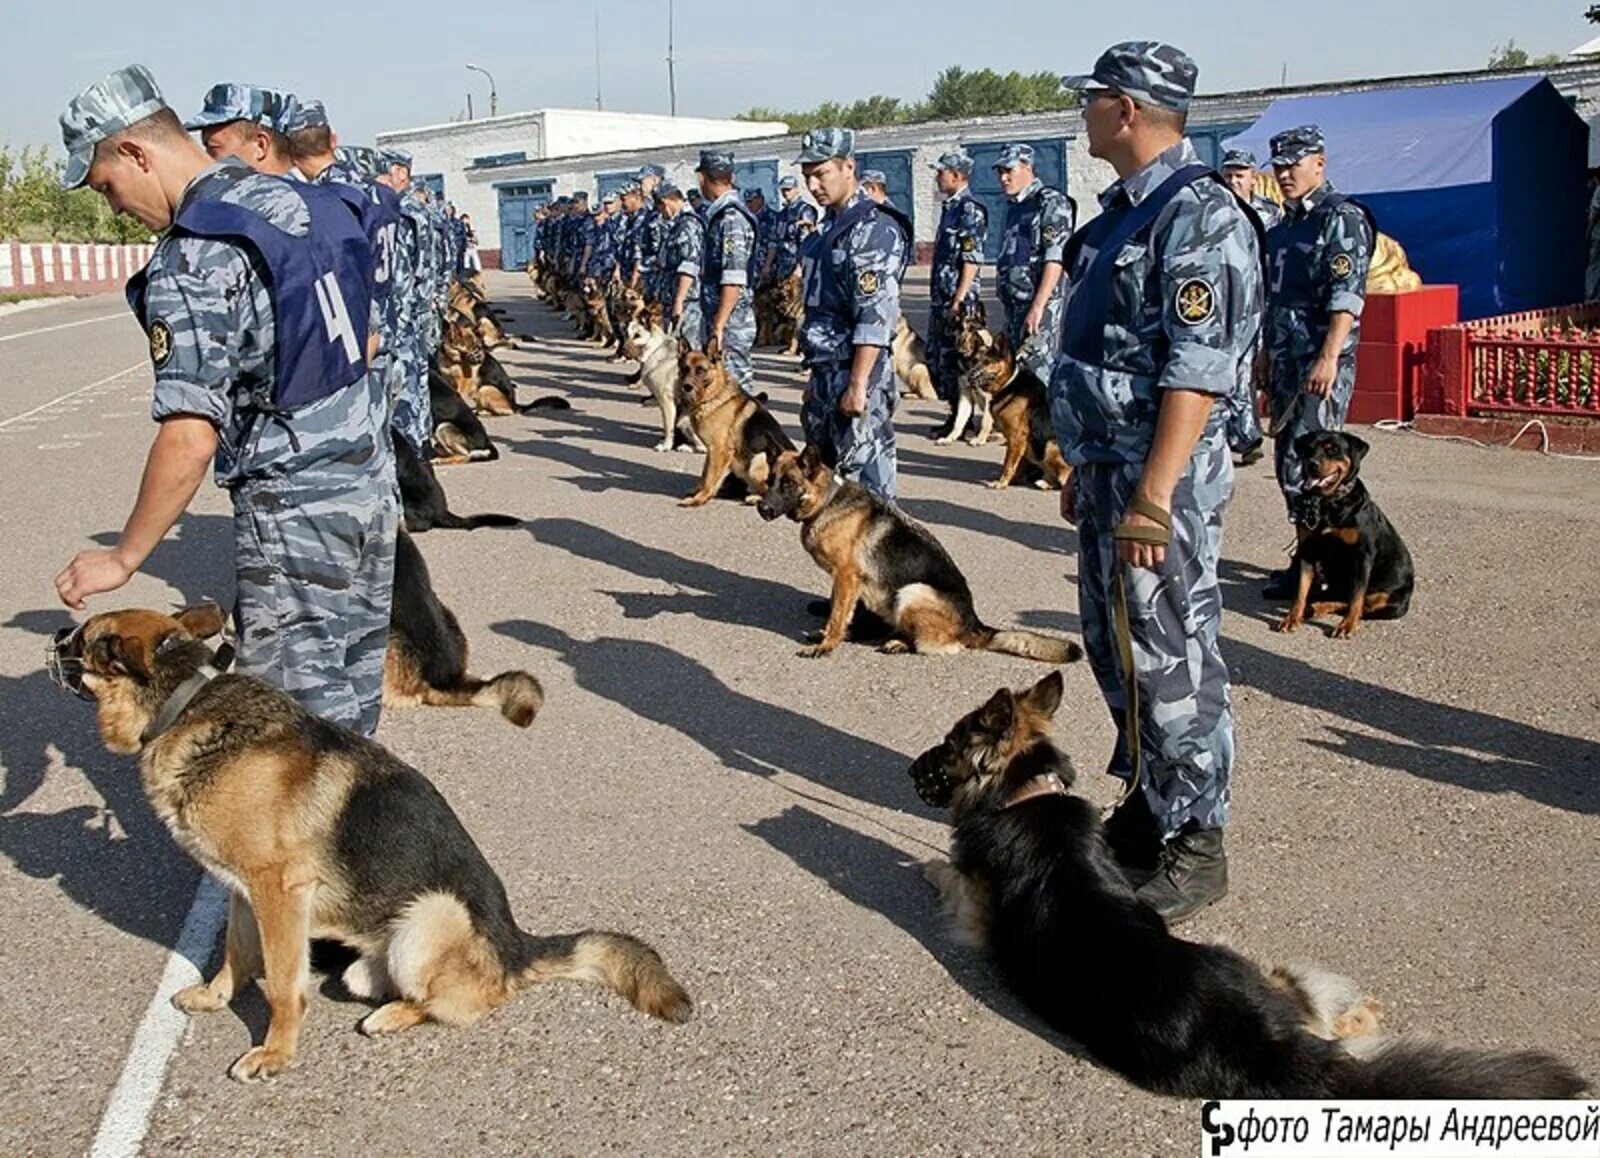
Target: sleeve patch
{"points": [[868, 282], [968, 244], [160, 343], [1196, 302], [1341, 265]]}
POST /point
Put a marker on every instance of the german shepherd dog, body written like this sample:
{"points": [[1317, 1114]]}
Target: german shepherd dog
{"points": [[1031, 878], [596, 313], [623, 305], [657, 354], [320, 833], [971, 342], [426, 506], [458, 433], [879, 557], [1019, 405], [910, 362], [480, 378], [789, 305], [469, 301], [740, 435], [1342, 536]]}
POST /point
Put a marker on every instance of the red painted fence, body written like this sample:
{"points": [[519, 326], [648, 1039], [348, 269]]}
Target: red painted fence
{"points": [[1535, 364], [68, 269]]}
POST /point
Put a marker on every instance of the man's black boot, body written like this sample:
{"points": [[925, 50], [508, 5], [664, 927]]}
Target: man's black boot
{"points": [[1193, 874], [1135, 840]]}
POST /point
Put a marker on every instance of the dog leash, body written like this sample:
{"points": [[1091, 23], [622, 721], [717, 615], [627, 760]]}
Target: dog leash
{"points": [[1159, 536]]}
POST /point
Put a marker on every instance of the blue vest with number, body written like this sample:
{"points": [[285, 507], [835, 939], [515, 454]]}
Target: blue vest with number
{"points": [[825, 295], [1292, 250], [1084, 326], [381, 219], [321, 287]]}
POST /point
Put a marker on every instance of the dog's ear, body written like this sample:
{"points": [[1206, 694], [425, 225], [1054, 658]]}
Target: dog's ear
{"points": [[202, 621], [810, 459], [1302, 445], [1001, 344], [774, 453], [1358, 449], [714, 350], [995, 716], [113, 655], [1044, 697], [685, 348], [987, 340]]}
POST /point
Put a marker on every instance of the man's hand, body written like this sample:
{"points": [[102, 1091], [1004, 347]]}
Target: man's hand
{"points": [[1069, 499], [91, 573], [1320, 381], [1150, 556], [1035, 318], [853, 404], [954, 311]]}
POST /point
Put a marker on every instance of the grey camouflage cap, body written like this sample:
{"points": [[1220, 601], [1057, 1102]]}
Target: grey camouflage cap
{"points": [[1238, 159], [1150, 72], [126, 97], [1295, 144], [241, 102], [825, 145], [956, 161], [668, 189], [389, 158], [650, 171], [609, 198], [362, 159], [874, 177], [752, 193], [1013, 155], [305, 114], [714, 162], [790, 181]]}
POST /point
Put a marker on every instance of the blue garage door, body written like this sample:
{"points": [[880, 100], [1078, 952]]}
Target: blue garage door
{"points": [[610, 182], [762, 175], [896, 168], [433, 182], [518, 203], [1049, 165], [1208, 140]]}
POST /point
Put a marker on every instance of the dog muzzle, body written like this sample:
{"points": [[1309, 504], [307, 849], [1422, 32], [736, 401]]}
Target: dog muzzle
{"points": [[63, 660], [936, 786]]}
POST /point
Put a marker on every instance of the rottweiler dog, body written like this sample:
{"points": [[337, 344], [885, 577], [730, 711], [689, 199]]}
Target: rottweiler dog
{"points": [[893, 566], [740, 434], [1342, 537], [426, 506], [1031, 879]]}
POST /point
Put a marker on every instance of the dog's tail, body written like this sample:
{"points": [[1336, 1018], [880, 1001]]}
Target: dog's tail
{"points": [[1418, 1068], [516, 694], [1026, 644], [623, 964], [548, 402], [451, 521]]}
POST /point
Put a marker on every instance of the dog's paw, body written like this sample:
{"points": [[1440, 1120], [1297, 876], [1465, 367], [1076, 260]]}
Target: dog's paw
{"points": [[998, 484], [815, 651], [945, 441], [1346, 629], [197, 999], [1288, 625], [895, 647], [662, 446], [694, 500], [751, 500], [1042, 484], [392, 1018], [260, 1064]]}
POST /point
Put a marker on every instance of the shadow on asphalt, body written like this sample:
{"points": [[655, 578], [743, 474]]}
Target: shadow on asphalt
{"points": [[744, 733], [1048, 534]]}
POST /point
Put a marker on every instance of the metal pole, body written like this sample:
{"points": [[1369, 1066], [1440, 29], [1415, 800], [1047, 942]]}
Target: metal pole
{"points": [[494, 99], [672, 82], [469, 106], [597, 103]]}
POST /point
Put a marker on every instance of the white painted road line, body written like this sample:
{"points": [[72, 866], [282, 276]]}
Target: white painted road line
{"points": [[73, 394], [64, 326], [127, 1116]]}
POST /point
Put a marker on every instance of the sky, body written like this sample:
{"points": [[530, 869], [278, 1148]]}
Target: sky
{"points": [[396, 65]]}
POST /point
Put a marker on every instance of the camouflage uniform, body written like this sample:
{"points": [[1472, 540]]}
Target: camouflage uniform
{"points": [[647, 242], [602, 245], [1317, 259], [1175, 306], [852, 267], [1038, 223], [314, 498], [1243, 426], [790, 218], [963, 229], [766, 228], [729, 255], [684, 253]]}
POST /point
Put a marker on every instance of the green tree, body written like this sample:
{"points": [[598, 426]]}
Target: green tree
{"points": [[34, 207], [1508, 56]]}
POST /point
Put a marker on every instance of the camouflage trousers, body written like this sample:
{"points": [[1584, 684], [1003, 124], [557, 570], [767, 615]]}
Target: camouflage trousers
{"points": [[940, 351], [1241, 426], [315, 574], [691, 324], [738, 339], [411, 409], [1294, 413], [1037, 353], [859, 449], [1185, 717]]}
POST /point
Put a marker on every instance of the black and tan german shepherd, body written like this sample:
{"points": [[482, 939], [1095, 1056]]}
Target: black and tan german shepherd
{"points": [[458, 433], [479, 377], [1031, 878], [877, 556], [319, 833], [740, 434], [426, 506], [1018, 405]]}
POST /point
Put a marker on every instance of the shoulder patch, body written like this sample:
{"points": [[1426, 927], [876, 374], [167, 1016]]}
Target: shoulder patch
{"points": [[1196, 302], [160, 343], [968, 244], [1341, 265], [869, 282], [1050, 232]]}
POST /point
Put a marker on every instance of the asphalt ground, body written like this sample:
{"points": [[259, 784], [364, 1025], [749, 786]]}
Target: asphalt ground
{"points": [[1418, 808]]}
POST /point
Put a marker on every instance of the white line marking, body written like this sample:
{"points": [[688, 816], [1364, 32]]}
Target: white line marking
{"points": [[62, 326], [127, 1116], [72, 394]]}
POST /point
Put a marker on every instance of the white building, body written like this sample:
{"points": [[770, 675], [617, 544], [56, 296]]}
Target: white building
{"points": [[453, 158]]}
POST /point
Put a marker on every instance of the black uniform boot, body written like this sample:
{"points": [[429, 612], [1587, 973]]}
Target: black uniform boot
{"points": [[1134, 839], [1193, 874]]}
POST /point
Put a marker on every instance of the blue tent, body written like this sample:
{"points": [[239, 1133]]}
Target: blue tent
{"points": [[1482, 182]]}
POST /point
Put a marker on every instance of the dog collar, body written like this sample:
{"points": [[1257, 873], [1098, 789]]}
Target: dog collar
{"points": [[1046, 784], [184, 695]]}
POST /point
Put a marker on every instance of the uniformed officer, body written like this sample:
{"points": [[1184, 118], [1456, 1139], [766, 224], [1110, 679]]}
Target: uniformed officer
{"points": [[1163, 310], [395, 171], [875, 184], [578, 236], [1317, 258], [954, 284], [1239, 170], [681, 259], [458, 239], [651, 234], [316, 154], [275, 393], [697, 200], [600, 245], [730, 248], [1039, 220], [852, 269], [244, 121], [766, 227], [1244, 427], [796, 211]]}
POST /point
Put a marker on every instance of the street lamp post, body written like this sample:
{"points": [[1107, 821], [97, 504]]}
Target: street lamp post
{"points": [[494, 102]]}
